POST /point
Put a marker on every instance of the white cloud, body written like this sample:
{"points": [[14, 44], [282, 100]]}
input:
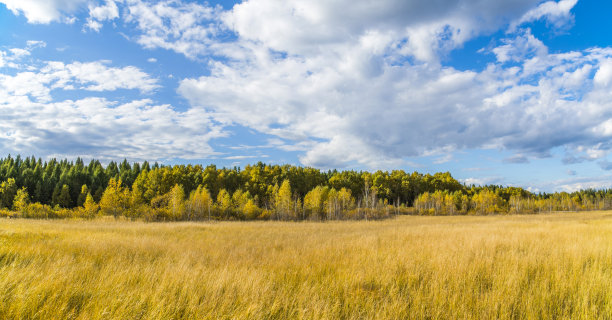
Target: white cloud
{"points": [[417, 28], [44, 11], [12, 57], [362, 107], [91, 76], [481, 181], [99, 14], [32, 44], [424, 30], [152, 60], [186, 28], [108, 11], [97, 76], [578, 183], [350, 82], [520, 48], [603, 76], [95, 127], [33, 121], [555, 12]]}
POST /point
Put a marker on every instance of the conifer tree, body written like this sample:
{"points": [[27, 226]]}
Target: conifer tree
{"points": [[64, 199]]}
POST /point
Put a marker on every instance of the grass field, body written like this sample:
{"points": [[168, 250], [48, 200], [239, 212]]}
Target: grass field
{"points": [[507, 267]]}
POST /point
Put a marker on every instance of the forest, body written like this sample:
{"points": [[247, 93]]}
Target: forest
{"points": [[33, 188]]}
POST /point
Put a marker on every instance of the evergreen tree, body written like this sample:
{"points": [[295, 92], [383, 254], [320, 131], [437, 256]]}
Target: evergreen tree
{"points": [[83, 195], [63, 200]]}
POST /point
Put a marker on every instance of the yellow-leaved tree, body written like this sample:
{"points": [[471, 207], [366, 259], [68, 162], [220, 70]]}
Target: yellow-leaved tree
{"points": [[283, 201], [22, 200], [176, 203], [224, 203], [115, 199], [314, 202], [90, 208], [199, 204]]}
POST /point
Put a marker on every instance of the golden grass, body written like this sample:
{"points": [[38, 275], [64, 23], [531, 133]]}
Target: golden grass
{"points": [[506, 267]]}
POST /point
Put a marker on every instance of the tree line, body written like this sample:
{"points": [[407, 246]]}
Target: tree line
{"points": [[35, 188]]}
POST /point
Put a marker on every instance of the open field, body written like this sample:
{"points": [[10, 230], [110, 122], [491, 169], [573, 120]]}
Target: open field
{"points": [[535, 266]]}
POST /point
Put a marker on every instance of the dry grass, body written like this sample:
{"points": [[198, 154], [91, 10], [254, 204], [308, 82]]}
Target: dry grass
{"points": [[506, 267]]}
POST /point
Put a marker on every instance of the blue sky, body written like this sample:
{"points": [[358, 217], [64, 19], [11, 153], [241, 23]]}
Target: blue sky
{"points": [[504, 92]]}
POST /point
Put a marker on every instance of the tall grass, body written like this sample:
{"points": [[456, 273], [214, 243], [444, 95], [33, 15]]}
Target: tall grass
{"points": [[505, 267]]}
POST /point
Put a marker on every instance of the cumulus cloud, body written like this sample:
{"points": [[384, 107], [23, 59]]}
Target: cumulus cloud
{"points": [[363, 83], [34, 122], [99, 14], [186, 28], [350, 114], [96, 127], [557, 13], [520, 48], [44, 11], [577, 183], [91, 76], [13, 56], [417, 28]]}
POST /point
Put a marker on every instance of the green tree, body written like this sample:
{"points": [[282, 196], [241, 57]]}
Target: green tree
{"points": [[83, 195], [64, 200]]}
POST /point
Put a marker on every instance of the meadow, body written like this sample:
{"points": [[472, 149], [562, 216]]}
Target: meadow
{"points": [[546, 266]]}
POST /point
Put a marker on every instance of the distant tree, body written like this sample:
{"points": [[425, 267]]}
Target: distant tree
{"points": [[314, 202], [199, 204], [90, 208], [64, 200], [22, 200], [115, 198], [83, 195], [224, 203], [283, 201], [176, 203], [8, 190]]}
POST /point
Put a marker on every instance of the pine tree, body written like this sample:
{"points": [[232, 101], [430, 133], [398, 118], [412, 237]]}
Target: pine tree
{"points": [[64, 200], [82, 196]]}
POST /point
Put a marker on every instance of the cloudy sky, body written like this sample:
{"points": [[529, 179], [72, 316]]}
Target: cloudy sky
{"points": [[513, 92]]}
